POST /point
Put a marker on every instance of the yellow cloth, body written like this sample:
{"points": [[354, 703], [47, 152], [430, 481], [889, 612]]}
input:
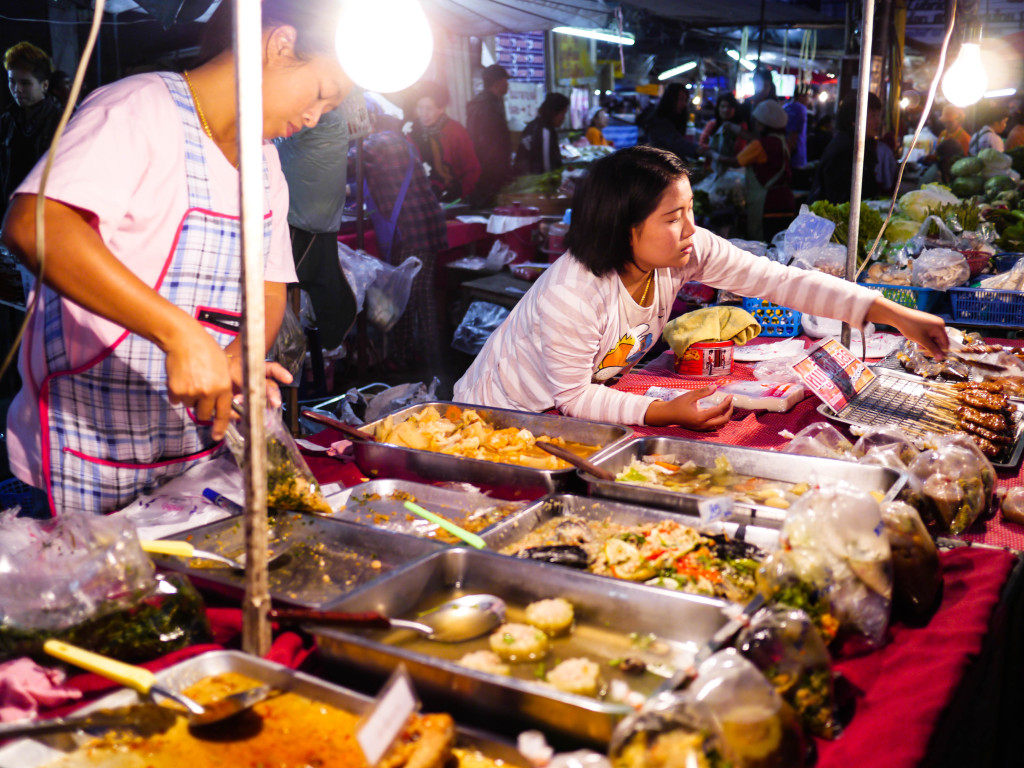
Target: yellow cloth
{"points": [[710, 324]]}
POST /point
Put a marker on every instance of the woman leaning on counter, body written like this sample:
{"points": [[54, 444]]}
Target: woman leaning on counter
{"points": [[595, 313], [134, 349]]}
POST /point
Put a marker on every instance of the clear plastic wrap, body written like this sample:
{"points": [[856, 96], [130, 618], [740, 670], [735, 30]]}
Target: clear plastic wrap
{"points": [[388, 295], [759, 730], [800, 578], [1013, 505], [480, 321], [779, 370], [290, 483], [290, 345], [820, 439], [917, 576], [950, 486], [787, 648], [940, 268], [672, 730], [886, 436]]}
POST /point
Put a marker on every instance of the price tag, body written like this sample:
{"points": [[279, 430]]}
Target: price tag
{"points": [[388, 716], [714, 508], [833, 373]]}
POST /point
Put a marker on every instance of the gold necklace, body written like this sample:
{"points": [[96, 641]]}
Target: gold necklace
{"points": [[199, 109], [650, 279]]}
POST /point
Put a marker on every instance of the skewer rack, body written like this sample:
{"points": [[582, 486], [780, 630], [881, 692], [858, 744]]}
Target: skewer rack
{"points": [[899, 400]]}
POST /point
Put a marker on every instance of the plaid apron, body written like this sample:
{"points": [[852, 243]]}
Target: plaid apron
{"points": [[109, 431]]}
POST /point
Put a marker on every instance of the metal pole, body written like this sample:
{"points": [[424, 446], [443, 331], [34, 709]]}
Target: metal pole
{"points": [[760, 34], [249, 103], [362, 329], [863, 88]]}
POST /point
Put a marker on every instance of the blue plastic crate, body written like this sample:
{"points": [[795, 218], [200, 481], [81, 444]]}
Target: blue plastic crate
{"points": [[15, 493], [774, 319], [924, 299], [1003, 262], [988, 307]]}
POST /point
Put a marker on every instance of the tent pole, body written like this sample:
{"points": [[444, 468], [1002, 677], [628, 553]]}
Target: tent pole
{"points": [[863, 88], [760, 34], [249, 101]]}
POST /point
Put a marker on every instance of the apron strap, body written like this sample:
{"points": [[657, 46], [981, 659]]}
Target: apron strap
{"points": [[387, 228]]}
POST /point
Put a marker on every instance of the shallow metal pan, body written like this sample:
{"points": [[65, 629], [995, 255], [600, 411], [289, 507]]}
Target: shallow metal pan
{"points": [[388, 513], [772, 465], [36, 753], [326, 559], [686, 620], [504, 480]]}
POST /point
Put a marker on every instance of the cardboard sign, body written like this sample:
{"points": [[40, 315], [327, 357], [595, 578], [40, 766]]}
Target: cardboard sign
{"points": [[386, 719], [833, 373]]}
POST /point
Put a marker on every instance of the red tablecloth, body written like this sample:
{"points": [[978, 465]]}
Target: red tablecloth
{"points": [[459, 235]]}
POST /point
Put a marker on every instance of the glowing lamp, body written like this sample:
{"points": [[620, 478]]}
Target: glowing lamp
{"points": [[965, 82], [384, 45]]}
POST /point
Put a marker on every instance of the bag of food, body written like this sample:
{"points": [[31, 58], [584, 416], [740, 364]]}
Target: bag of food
{"points": [[884, 437], [844, 524], [290, 483], [1012, 505], [949, 486], [85, 580], [388, 295], [289, 348], [786, 647], [917, 577], [820, 439], [758, 728], [807, 231], [940, 268], [672, 729], [801, 579]]}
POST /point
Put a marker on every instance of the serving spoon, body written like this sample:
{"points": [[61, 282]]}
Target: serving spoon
{"points": [[184, 549], [577, 461], [143, 681], [455, 621]]}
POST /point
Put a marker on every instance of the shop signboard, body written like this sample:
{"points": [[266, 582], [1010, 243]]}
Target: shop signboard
{"points": [[522, 54]]}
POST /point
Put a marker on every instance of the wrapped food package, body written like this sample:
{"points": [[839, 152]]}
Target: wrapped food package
{"points": [[820, 439], [885, 436], [758, 728], [800, 578], [672, 730], [951, 486], [917, 576], [1013, 506], [785, 646]]}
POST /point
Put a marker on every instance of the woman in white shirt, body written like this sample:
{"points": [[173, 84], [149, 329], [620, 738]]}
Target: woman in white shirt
{"points": [[988, 136], [601, 306]]}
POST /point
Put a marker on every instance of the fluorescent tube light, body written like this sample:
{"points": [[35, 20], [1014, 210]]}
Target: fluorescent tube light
{"points": [[1000, 92], [677, 70], [735, 56], [597, 34]]}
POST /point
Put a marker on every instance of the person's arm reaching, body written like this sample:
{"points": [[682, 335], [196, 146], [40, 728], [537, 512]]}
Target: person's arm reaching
{"points": [[275, 298]]}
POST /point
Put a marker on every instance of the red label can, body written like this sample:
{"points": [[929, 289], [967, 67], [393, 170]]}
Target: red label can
{"points": [[706, 358]]}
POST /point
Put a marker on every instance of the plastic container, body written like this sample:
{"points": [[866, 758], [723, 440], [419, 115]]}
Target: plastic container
{"points": [[757, 396], [15, 493], [774, 320], [978, 261], [988, 307], [706, 358], [924, 299], [522, 240], [554, 244]]}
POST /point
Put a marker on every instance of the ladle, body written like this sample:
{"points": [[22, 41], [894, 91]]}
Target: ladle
{"points": [[341, 426], [142, 680], [184, 549], [463, 618], [577, 461]]}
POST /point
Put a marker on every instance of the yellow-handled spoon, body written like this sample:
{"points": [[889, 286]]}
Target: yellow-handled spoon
{"points": [[175, 548], [143, 681]]}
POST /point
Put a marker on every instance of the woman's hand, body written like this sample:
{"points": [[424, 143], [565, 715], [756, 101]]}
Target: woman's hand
{"points": [[199, 376], [685, 412], [274, 373], [927, 330]]}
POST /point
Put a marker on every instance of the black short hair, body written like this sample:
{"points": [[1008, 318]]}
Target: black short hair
{"points": [[315, 21], [553, 104], [847, 114], [493, 74], [618, 193], [436, 92]]}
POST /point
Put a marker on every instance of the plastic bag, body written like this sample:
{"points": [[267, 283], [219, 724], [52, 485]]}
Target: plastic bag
{"points": [[758, 728], [821, 327], [786, 647], [917, 576], [480, 321], [672, 729], [388, 295], [290, 483], [948, 486], [940, 268], [499, 255], [800, 578], [928, 238], [829, 258], [779, 370], [750, 246], [886, 436], [808, 231], [725, 189], [398, 397], [820, 439], [290, 345], [360, 270], [1012, 505], [1008, 281]]}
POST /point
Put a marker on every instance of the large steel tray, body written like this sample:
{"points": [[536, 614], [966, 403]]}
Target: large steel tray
{"points": [[514, 529], [36, 753], [325, 559], [687, 621], [772, 465], [505, 480], [380, 503]]}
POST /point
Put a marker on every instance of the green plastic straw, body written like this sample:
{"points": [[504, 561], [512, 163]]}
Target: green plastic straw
{"points": [[470, 538]]}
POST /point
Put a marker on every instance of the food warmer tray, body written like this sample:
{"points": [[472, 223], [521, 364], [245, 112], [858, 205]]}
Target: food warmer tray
{"points": [[325, 559], [898, 399], [755, 462], [505, 480], [620, 607], [387, 513], [39, 752], [516, 528]]}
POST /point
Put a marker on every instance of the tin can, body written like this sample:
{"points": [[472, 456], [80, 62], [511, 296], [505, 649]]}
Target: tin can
{"points": [[706, 358]]}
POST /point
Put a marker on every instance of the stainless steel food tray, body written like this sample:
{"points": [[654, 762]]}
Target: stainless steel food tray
{"points": [[684, 619], [327, 558], [772, 465], [36, 753], [897, 398], [505, 480], [516, 528], [388, 513]]}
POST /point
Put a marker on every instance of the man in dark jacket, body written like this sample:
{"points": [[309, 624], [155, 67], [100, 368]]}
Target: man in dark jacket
{"points": [[488, 129]]}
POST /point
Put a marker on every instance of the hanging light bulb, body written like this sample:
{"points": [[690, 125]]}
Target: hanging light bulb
{"points": [[965, 82], [384, 45]]}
